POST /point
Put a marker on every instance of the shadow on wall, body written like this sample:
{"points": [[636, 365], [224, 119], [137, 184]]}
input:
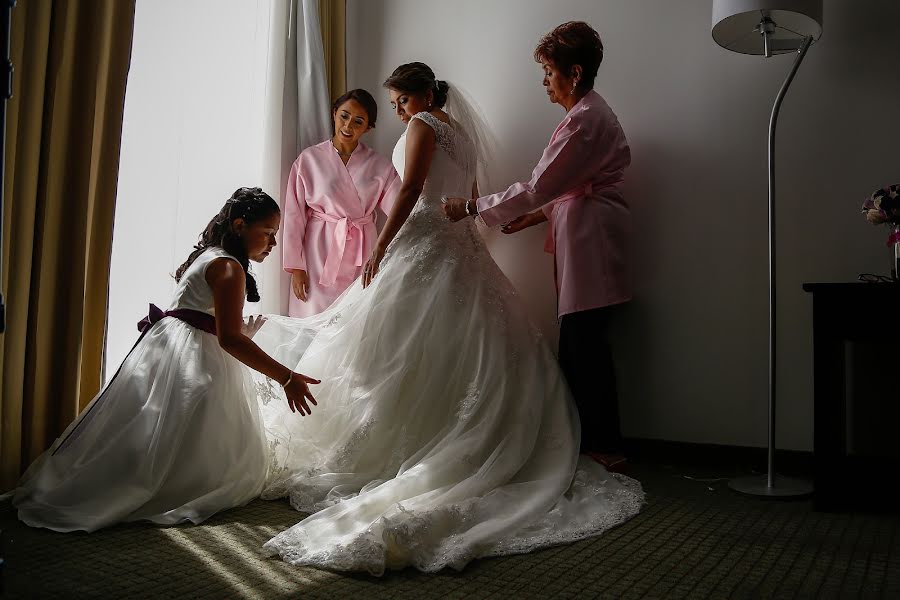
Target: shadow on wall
{"points": [[678, 343]]}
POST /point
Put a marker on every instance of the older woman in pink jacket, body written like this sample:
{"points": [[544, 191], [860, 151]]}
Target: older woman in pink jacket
{"points": [[577, 187]]}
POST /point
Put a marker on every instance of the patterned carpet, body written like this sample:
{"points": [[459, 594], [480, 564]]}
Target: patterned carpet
{"points": [[694, 539]]}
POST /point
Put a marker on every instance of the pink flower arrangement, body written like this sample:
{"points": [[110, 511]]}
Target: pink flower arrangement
{"points": [[883, 208]]}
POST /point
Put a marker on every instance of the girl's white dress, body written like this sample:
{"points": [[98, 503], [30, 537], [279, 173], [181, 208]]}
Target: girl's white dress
{"points": [[444, 430], [174, 436]]}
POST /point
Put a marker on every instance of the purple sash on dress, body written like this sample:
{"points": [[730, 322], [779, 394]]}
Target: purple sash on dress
{"points": [[195, 318]]}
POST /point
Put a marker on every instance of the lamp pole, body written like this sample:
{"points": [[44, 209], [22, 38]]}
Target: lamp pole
{"points": [[801, 52], [784, 486]]}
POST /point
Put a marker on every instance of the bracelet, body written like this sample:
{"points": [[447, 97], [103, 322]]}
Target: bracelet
{"points": [[469, 211], [288, 382]]}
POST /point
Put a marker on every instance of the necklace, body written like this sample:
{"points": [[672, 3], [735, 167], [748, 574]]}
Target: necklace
{"points": [[338, 150]]}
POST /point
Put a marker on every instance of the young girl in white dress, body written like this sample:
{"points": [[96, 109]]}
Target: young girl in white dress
{"points": [[175, 435]]}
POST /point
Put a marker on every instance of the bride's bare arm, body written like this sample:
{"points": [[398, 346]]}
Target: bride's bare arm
{"points": [[420, 139]]}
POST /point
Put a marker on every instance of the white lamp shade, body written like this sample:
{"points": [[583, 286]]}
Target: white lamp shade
{"points": [[734, 24]]}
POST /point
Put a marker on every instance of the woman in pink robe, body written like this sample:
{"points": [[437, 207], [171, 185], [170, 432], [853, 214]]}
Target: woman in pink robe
{"points": [[577, 186], [329, 207]]}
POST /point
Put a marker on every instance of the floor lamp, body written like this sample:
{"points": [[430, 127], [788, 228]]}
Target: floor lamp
{"points": [[769, 27]]}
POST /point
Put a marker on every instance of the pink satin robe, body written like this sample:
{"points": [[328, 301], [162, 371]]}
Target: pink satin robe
{"points": [[329, 219], [578, 185]]}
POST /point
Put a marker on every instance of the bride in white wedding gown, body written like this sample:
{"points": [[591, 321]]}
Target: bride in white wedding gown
{"points": [[445, 431]]}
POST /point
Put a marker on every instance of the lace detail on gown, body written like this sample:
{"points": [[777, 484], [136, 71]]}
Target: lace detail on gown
{"points": [[443, 133], [431, 539]]}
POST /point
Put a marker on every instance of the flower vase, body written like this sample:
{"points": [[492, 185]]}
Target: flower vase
{"points": [[894, 243]]}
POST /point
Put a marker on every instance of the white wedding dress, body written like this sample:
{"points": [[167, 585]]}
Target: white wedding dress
{"points": [[445, 430]]}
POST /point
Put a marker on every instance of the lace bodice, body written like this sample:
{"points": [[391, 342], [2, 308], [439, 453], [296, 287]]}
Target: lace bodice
{"points": [[427, 234], [452, 170]]}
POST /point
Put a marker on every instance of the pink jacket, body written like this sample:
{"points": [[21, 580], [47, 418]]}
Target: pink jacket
{"points": [[578, 185], [329, 220]]}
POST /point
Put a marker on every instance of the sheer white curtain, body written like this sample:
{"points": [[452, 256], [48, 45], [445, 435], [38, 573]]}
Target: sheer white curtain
{"points": [[221, 94], [297, 114]]}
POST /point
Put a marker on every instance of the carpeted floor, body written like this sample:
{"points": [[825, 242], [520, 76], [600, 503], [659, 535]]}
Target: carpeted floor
{"points": [[694, 539]]}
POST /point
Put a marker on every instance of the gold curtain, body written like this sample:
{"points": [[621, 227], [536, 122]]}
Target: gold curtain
{"points": [[64, 126], [333, 22]]}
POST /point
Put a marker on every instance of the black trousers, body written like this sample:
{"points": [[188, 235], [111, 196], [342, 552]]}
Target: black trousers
{"points": [[586, 360]]}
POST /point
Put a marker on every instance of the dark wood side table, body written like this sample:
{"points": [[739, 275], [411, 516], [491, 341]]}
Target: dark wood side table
{"points": [[860, 313]]}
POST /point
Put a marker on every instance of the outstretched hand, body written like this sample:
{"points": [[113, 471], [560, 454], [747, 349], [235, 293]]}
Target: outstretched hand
{"points": [[525, 221], [455, 209], [252, 325], [298, 392], [517, 224]]}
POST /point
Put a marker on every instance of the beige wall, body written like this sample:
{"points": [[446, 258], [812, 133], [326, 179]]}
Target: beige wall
{"points": [[691, 348]]}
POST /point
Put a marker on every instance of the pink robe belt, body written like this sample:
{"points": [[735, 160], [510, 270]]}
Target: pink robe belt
{"points": [[579, 192], [345, 228]]}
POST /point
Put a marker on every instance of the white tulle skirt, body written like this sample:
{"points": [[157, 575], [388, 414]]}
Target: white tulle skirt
{"points": [[175, 436], [445, 430]]}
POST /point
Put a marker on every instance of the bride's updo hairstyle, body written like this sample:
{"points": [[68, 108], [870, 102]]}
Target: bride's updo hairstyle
{"points": [[418, 78], [249, 204], [570, 44]]}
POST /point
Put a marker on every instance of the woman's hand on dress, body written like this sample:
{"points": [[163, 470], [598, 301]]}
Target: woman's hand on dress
{"points": [[252, 325], [525, 221], [298, 393], [455, 209], [372, 265], [300, 284]]}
